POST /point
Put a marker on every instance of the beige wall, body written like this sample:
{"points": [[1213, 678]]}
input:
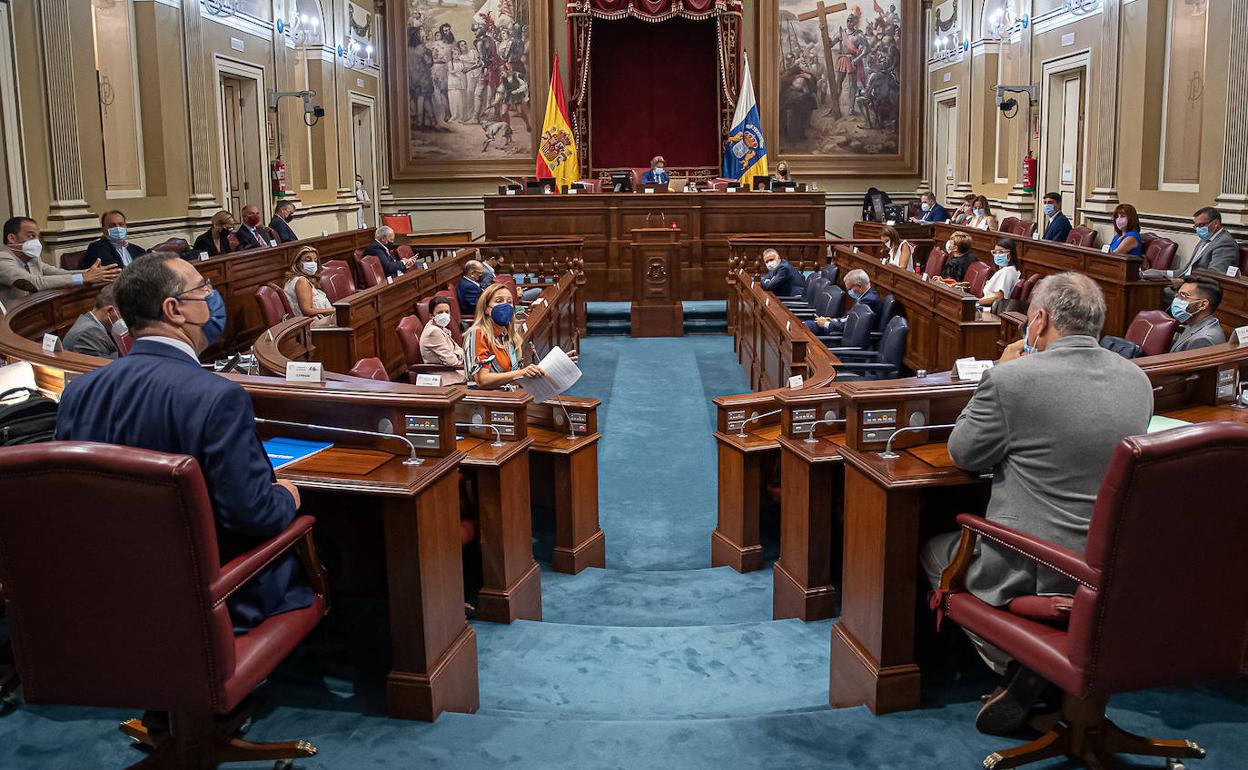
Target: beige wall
{"points": [[1130, 113], [56, 106]]}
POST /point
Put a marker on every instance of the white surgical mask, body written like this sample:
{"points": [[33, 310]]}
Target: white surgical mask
{"points": [[120, 328], [32, 248], [1121, 222], [442, 319], [309, 268], [772, 265]]}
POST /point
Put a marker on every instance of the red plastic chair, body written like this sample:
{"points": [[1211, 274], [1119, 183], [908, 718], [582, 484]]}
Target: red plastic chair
{"points": [[370, 369], [401, 224], [121, 544], [1137, 620], [976, 276]]}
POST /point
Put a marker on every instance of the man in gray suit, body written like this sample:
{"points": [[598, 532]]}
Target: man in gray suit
{"points": [[1193, 307], [91, 333], [22, 272], [1045, 420], [1216, 251]]}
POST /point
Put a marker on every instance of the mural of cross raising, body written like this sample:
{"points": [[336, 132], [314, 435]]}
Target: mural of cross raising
{"points": [[821, 12]]}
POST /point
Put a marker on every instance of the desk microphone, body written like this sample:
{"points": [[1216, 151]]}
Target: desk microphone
{"points": [[412, 459], [559, 401]]}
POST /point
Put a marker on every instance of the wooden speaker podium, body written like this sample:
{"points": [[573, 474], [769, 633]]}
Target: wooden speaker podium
{"points": [[656, 310]]}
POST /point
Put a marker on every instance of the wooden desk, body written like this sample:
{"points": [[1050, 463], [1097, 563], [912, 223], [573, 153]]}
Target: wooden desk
{"points": [[889, 503], [706, 221], [945, 323], [656, 310]]}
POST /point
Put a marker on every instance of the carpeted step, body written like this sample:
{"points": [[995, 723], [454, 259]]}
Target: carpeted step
{"points": [[598, 597], [612, 672]]}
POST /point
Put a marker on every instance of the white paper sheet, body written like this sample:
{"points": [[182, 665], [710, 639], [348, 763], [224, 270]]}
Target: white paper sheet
{"points": [[561, 374]]}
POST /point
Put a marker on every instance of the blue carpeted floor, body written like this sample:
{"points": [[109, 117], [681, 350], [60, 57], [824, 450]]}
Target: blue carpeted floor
{"points": [[656, 661]]}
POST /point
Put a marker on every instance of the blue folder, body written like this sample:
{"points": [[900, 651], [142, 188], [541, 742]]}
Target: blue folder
{"points": [[284, 451]]}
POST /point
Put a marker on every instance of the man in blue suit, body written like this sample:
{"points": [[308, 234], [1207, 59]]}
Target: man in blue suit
{"points": [[782, 278], [383, 241], [932, 211], [469, 288], [858, 286], [280, 224], [1059, 225], [159, 398], [113, 249], [656, 173]]}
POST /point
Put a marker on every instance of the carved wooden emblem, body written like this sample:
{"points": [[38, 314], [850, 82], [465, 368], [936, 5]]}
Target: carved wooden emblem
{"points": [[656, 271]]}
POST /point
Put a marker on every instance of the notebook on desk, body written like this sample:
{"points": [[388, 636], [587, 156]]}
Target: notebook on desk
{"points": [[284, 451]]}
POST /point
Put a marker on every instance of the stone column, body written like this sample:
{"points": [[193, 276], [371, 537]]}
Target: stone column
{"points": [[68, 212], [1233, 197], [1104, 195], [202, 203], [385, 196], [1019, 201]]}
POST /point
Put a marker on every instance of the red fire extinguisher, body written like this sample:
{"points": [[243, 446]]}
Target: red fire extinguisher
{"points": [[1029, 173], [279, 177]]}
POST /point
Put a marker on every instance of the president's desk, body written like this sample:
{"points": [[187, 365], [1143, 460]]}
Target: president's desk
{"points": [[605, 221]]}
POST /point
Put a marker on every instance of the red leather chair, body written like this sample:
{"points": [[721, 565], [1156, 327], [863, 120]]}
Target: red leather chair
{"points": [[1137, 620], [976, 276], [121, 545], [232, 239], [401, 224], [337, 284], [370, 369], [73, 260], [590, 185], [1158, 252], [1024, 229], [936, 259], [408, 332], [1029, 285], [404, 251], [719, 184], [370, 269], [274, 307], [457, 318], [638, 173], [175, 245], [1009, 225], [1153, 331], [1082, 236]]}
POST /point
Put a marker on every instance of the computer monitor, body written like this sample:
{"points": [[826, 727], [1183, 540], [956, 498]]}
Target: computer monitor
{"points": [[762, 183], [540, 185], [877, 207], [621, 181], [895, 213], [783, 184]]}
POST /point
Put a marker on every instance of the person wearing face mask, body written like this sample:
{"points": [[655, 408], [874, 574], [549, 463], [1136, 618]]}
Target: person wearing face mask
{"points": [[897, 251], [283, 213], [468, 290], [250, 234], [782, 172], [1002, 281], [383, 248], [1193, 307], [1127, 238], [112, 248], [1059, 226], [303, 288], [1044, 421], [1216, 251], [361, 195], [981, 215], [858, 287], [492, 345], [217, 240], [964, 211], [932, 210], [958, 247], [782, 278], [656, 174], [159, 398], [22, 272], [92, 333], [437, 344]]}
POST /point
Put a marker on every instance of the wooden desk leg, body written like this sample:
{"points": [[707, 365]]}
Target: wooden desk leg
{"points": [[511, 580], [434, 650], [735, 542], [802, 580], [579, 542], [873, 641]]}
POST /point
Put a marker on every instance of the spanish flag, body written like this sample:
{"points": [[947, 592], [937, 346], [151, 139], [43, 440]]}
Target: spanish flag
{"points": [[556, 150]]}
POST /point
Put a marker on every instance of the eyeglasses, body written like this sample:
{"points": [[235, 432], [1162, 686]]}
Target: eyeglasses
{"points": [[1187, 295], [205, 286]]}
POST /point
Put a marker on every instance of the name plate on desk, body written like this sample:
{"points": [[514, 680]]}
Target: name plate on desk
{"points": [[429, 380], [795, 381], [1232, 271], [970, 369], [573, 191], [49, 343], [648, 191], [203, 255], [1241, 335], [303, 371]]}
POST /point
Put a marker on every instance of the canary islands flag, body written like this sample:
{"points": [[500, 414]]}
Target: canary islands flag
{"points": [[556, 150], [745, 153]]}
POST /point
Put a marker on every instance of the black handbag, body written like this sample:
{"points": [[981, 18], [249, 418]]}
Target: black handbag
{"points": [[27, 421]]}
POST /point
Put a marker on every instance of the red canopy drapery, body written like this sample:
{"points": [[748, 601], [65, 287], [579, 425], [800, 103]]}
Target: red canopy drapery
{"points": [[726, 14], [653, 10]]}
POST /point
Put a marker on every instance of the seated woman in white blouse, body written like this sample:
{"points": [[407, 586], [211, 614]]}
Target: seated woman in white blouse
{"points": [[981, 215], [898, 251], [1003, 280], [303, 288]]}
